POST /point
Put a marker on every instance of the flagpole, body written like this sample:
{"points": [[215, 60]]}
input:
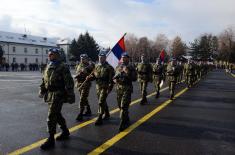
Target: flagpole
{"points": [[115, 44]]}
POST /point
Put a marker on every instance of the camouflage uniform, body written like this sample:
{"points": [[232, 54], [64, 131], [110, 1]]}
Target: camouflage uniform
{"points": [[82, 71], [57, 87], [158, 72], [180, 69], [144, 71], [172, 77], [103, 75], [124, 90], [189, 74]]}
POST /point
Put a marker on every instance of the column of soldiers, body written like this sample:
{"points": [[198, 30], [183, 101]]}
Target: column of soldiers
{"points": [[58, 86]]}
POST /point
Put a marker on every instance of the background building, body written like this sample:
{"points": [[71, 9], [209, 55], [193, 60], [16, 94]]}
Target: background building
{"points": [[28, 49]]}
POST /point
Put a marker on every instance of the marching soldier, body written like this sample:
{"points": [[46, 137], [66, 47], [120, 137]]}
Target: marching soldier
{"points": [[172, 77], [103, 74], [158, 71], [144, 70], [57, 88], [124, 75], [189, 73], [83, 70]]}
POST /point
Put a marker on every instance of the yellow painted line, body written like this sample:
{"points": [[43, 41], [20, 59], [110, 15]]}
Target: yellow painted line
{"points": [[121, 135], [72, 129]]}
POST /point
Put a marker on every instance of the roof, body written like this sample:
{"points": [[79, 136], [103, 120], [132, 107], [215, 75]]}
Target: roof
{"points": [[27, 39]]}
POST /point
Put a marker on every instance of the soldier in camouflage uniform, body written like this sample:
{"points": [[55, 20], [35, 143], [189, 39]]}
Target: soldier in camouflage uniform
{"points": [[189, 73], [83, 70], [158, 71], [180, 69], [103, 74], [172, 74], [124, 75], [57, 88], [144, 70]]}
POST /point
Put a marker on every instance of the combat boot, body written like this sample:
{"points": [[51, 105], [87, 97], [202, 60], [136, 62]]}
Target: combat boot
{"points": [[80, 115], [106, 113], [88, 111], [145, 100], [142, 102], [64, 135], [99, 121], [106, 116], [157, 95], [123, 125], [49, 143]]}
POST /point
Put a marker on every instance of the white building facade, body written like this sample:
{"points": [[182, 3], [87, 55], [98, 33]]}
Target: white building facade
{"points": [[27, 49]]}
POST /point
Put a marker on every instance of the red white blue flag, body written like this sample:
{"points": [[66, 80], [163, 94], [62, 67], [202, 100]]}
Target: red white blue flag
{"points": [[115, 54]]}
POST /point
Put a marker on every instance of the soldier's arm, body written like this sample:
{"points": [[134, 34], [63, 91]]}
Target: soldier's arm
{"points": [[69, 85], [111, 75], [42, 89]]}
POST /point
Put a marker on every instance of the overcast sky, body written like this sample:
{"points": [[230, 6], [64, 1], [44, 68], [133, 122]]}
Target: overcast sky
{"points": [[108, 20]]}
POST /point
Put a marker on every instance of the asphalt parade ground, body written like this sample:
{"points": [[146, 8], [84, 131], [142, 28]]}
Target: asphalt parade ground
{"points": [[200, 120]]}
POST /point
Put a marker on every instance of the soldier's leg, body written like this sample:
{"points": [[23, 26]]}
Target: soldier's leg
{"points": [[82, 104], [158, 82], [145, 84], [143, 92], [51, 125], [119, 97], [61, 121], [126, 100], [86, 103], [106, 111], [155, 86], [173, 83], [102, 95]]}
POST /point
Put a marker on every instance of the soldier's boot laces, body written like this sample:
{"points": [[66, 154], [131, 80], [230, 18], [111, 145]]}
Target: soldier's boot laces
{"points": [[49, 144], [64, 135], [99, 121], [88, 111]]}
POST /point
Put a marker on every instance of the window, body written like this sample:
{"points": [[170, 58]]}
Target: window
{"points": [[14, 60], [25, 60], [36, 60], [36, 51], [14, 49], [46, 51], [25, 50]]}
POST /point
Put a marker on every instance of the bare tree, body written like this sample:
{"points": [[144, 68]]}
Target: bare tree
{"points": [[161, 42], [131, 45], [227, 45], [178, 47]]}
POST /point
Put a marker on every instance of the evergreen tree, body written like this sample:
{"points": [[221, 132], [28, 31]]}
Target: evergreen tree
{"points": [[87, 44], [204, 47], [73, 50]]}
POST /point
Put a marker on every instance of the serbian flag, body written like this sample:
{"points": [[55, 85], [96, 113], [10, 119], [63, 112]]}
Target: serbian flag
{"points": [[115, 54], [162, 55]]}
